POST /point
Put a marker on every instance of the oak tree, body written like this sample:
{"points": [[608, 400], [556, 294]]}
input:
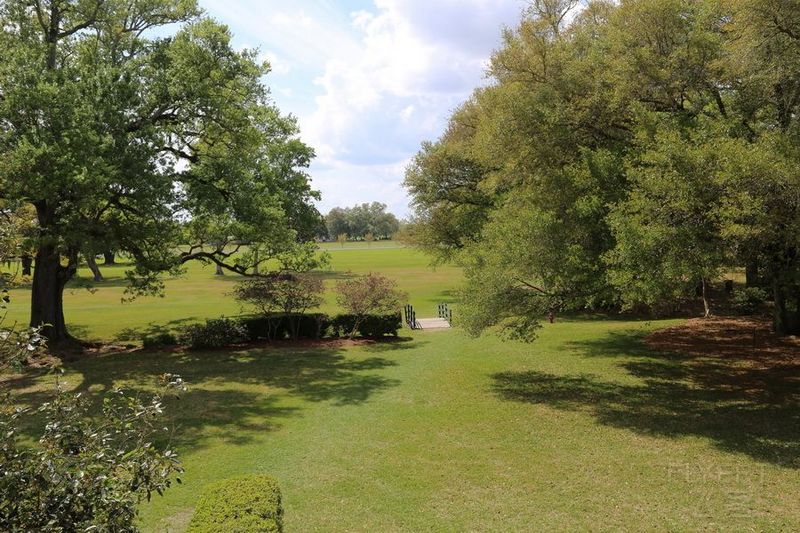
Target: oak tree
{"points": [[120, 120]]}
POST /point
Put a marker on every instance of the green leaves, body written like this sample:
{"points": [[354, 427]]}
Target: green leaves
{"points": [[620, 159], [86, 473], [115, 136], [371, 294]]}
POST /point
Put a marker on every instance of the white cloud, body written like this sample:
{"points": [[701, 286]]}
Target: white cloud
{"points": [[369, 81], [405, 114], [293, 19]]}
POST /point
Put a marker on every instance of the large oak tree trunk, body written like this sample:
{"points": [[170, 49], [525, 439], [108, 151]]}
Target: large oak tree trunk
{"points": [[109, 258], [91, 262], [780, 320], [751, 273], [27, 265], [47, 298]]}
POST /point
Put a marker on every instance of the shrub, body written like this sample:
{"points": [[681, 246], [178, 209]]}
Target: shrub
{"points": [[372, 294], [85, 473], [245, 503], [158, 340], [291, 294], [748, 301], [311, 326], [257, 327], [279, 326], [380, 325], [215, 333], [366, 326]]}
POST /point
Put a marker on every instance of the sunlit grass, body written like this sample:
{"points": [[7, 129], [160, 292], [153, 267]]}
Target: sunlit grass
{"points": [[585, 429], [97, 311]]}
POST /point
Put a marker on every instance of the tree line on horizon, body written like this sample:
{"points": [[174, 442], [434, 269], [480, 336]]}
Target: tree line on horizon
{"points": [[625, 155], [366, 221]]}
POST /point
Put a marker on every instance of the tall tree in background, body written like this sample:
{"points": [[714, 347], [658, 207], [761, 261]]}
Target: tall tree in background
{"points": [[112, 132], [626, 153], [763, 73], [359, 220], [519, 186], [337, 223]]}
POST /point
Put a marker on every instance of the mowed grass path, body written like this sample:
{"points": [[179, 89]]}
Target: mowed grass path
{"points": [[584, 429], [95, 310]]}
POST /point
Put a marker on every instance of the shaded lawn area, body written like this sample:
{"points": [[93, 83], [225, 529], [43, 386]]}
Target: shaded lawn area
{"points": [[585, 429]]}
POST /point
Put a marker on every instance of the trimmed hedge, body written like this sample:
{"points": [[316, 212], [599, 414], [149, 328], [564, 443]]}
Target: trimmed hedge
{"points": [[278, 326], [159, 340], [239, 504], [215, 333], [371, 326], [221, 332]]}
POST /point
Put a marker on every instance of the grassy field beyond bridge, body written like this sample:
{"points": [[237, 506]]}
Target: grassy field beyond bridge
{"points": [[95, 311]]}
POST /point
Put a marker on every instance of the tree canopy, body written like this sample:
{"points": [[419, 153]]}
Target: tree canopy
{"points": [[360, 220], [624, 155], [120, 121]]}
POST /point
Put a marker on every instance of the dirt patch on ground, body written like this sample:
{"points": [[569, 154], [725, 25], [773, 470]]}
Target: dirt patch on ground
{"points": [[740, 353], [728, 337]]}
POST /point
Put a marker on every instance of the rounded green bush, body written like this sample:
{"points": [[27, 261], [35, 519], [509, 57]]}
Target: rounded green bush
{"points": [[238, 505]]}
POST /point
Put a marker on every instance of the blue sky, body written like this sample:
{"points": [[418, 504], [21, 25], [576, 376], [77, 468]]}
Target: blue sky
{"points": [[368, 80]]}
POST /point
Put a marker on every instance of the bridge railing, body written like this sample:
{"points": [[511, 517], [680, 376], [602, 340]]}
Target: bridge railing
{"points": [[411, 316], [446, 313]]}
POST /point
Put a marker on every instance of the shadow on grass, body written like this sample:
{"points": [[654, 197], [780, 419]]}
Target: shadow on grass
{"points": [[449, 296], [137, 334], [233, 396], [751, 410], [334, 275]]}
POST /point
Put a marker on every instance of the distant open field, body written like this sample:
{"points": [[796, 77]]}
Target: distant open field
{"points": [[96, 311]]}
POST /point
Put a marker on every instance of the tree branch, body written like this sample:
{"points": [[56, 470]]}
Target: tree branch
{"points": [[217, 257], [40, 15], [785, 30], [85, 24]]}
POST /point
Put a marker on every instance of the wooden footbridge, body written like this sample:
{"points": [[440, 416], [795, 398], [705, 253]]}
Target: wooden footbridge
{"points": [[443, 321]]}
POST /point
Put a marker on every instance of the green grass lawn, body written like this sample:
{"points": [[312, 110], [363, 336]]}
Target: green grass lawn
{"points": [[584, 429], [95, 311]]}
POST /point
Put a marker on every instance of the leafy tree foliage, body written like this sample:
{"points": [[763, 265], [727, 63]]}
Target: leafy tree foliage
{"points": [[360, 220], [626, 154], [17, 345], [114, 130], [84, 474], [372, 294], [669, 229], [290, 294]]}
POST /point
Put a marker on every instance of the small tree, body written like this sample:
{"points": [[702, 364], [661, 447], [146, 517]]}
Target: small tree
{"points": [[369, 237], [341, 239], [372, 294], [291, 294]]}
